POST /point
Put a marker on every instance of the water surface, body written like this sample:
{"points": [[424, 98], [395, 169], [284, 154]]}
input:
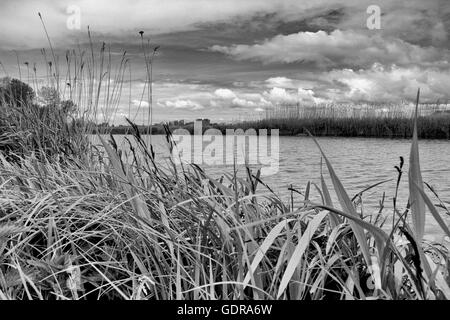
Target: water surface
{"points": [[358, 162]]}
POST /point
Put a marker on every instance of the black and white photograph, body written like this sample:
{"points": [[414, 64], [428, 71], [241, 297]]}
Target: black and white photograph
{"points": [[245, 152]]}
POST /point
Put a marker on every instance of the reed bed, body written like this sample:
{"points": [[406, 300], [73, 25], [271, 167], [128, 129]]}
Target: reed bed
{"points": [[387, 121], [90, 225]]}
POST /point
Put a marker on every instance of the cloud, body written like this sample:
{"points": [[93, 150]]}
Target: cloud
{"points": [[243, 103], [335, 49], [282, 82], [378, 84], [181, 104], [227, 98], [225, 93], [142, 104], [265, 98], [282, 96], [381, 84], [112, 17]]}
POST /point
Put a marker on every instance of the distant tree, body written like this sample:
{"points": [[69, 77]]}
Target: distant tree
{"points": [[43, 123], [15, 92]]}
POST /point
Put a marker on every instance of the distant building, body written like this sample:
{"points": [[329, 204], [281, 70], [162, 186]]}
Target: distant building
{"points": [[205, 122], [176, 123]]}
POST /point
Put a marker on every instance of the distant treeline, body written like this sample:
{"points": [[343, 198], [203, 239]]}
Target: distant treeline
{"points": [[428, 127], [155, 128], [436, 126], [341, 121]]}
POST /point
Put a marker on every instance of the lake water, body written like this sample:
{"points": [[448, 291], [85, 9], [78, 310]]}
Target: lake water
{"points": [[358, 162]]}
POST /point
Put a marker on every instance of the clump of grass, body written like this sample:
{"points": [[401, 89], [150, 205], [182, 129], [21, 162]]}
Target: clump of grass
{"points": [[47, 128]]}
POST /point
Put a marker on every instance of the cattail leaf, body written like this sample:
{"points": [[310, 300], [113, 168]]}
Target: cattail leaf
{"points": [[415, 179], [346, 205], [335, 220], [267, 243], [433, 210], [297, 255]]}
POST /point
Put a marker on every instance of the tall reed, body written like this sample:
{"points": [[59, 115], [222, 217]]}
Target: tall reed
{"points": [[388, 121]]}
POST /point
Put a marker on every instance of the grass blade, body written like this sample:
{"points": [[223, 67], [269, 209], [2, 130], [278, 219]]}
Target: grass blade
{"points": [[335, 220], [346, 205], [415, 179], [432, 209], [268, 241], [303, 243]]}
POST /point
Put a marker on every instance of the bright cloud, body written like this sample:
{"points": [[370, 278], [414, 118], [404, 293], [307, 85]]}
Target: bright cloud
{"points": [[282, 82], [181, 104], [382, 84], [336, 48], [225, 94], [282, 96], [142, 104]]}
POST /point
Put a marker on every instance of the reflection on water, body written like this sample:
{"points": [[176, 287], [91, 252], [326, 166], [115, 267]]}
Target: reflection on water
{"points": [[358, 162]]}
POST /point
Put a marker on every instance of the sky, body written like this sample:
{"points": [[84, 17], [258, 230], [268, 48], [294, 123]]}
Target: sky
{"points": [[232, 59]]}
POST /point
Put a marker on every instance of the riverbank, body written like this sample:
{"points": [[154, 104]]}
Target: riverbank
{"points": [[429, 127]]}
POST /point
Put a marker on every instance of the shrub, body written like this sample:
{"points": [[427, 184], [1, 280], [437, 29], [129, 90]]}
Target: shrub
{"points": [[45, 124]]}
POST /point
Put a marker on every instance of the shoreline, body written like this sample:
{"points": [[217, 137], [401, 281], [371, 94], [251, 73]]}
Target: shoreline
{"points": [[429, 127], [281, 134]]}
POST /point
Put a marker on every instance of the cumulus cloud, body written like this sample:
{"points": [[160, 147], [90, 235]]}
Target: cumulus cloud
{"points": [[265, 98], [282, 82], [231, 99], [225, 93], [377, 84], [282, 96], [242, 103], [141, 103], [181, 104], [388, 84], [335, 49]]}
